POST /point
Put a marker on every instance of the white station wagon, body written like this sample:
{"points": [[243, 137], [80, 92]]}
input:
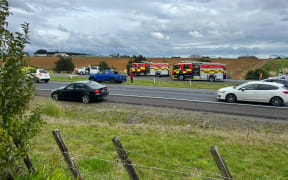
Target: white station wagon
{"points": [[256, 91], [41, 75]]}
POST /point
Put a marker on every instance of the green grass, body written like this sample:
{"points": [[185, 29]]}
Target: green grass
{"points": [[251, 150], [68, 78], [179, 84], [276, 65]]}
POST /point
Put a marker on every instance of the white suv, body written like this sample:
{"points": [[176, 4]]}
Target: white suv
{"points": [[41, 75]]}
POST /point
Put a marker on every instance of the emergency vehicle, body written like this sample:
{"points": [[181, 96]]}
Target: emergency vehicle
{"points": [[150, 68], [199, 70]]}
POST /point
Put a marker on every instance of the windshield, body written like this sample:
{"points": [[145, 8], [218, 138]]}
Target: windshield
{"points": [[240, 86]]}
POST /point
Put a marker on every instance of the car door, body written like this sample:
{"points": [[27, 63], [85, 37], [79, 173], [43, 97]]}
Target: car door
{"points": [[68, 92], [79, 90], [247, 93], [265, 92]]}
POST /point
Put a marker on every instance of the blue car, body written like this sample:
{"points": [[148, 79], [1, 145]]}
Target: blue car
{"points": [[108, 75]]}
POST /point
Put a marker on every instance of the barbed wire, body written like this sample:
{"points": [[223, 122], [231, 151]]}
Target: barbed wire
{"points": [[147, 167]]}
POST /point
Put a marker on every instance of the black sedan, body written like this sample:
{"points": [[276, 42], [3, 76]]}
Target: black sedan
{"points": [[85, 91]]}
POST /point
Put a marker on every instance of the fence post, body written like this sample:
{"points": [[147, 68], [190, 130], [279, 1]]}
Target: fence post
{"points": [[29, 164], [65, 153], [125, 160], [220, 162]]}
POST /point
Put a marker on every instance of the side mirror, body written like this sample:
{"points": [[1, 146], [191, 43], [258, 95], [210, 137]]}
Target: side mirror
{"points": [[243, 89]]}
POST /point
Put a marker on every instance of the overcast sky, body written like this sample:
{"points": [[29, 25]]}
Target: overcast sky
{"points": [[156, 28]]}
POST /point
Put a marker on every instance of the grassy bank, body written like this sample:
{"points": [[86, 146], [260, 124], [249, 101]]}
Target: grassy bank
{"points": [[172, 140], [159, 83]]}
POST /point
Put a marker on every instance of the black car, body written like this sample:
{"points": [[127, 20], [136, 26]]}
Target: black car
{"points": [[281, 81], [85, 91]]}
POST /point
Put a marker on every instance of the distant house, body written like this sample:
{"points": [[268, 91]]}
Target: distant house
{"points": [[41, 55], [61, 54]]}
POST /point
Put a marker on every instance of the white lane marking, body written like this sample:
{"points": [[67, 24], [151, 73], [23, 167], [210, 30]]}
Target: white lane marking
{"points": [[189, 100]]}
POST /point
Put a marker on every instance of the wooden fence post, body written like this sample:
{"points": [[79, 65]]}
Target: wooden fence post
{"points": [[125, 160], [65, 153], [29, 164], [220, 162]]}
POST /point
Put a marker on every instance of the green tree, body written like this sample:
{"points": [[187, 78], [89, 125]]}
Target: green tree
{"points": [[103, 65], [134, 59], [255, 74], [41, 51], [18, 122], [64, 64]]}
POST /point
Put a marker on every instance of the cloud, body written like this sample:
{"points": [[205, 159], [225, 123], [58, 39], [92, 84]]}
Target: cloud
{"points": [[155, 27]]}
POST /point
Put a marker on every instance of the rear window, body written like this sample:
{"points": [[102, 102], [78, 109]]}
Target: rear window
{"points": [[94, 85], [43, 71]]}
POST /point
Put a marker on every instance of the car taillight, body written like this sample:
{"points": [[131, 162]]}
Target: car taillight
{"points": [[106, 89], [40, 74], [97, 91], [285, 92]]}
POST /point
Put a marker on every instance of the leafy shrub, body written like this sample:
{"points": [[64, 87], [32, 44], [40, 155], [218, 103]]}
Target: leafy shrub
{"points": [[103, 65], [255, 74], [64, 64], [18, 122]]}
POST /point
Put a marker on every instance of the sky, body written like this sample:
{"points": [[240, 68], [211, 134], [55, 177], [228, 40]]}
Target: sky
{"points": [[155, 28]]}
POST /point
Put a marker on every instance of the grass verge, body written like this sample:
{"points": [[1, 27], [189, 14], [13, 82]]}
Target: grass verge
{"points": [[159, 83], [161, 137]]}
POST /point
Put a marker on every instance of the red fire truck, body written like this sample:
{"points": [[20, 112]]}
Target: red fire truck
{"points": [[150, 68], [199, 70]]}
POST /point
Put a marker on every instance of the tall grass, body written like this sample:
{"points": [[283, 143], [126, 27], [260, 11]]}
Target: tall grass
{"points": [[53, 109]]}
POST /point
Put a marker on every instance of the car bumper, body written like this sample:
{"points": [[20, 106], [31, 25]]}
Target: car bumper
{"points": [[100, 96], [221, 96]]}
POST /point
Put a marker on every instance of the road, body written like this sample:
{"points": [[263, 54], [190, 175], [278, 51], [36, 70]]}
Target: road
{"points": [[184, 98]]}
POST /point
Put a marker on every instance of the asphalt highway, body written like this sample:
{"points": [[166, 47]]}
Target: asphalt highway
{"points": [[183, 98]]}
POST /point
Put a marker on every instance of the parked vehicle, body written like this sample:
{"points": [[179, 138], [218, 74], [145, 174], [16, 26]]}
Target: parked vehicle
{"points": [[281, 81], [85, 91], [150, 68], [256, 91], [199, 70], [87, 70], [108, 75], [40, 75]]}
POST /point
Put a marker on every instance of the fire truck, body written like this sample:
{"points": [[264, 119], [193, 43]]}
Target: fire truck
{"points": [[150, 68], [199, 70]]}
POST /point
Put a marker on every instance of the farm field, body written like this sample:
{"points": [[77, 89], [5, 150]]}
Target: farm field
{"points": [[164, 145], [236, 67]]}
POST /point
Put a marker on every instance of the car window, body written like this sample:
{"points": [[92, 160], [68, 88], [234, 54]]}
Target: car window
{"points": [[176, 66], [94, 85], [251, 87], [43, 71], [70, 87], [79, 86], [267, 87], [186, 66]]}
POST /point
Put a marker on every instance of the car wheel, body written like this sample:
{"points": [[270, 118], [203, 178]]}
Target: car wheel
{"points": [[46, 81], [92, 79], [55, 96], [112, 80], [81, 73], [181, 77], [212, 79], [231, 98], [85, 99], [276, 101]]}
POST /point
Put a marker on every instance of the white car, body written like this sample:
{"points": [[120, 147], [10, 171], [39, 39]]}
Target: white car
{"points": [[256, 91], [41, 75]]}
